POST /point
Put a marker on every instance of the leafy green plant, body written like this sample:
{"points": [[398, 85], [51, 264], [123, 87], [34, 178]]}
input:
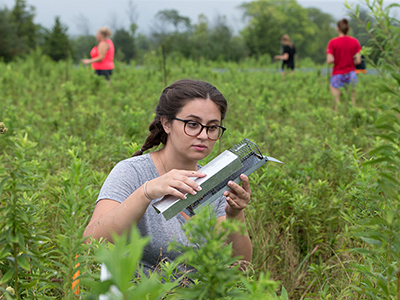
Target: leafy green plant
{"points": [[20, 257], [70, 253], [217, 274], [122, 262], [299, 215], [380, 231]]}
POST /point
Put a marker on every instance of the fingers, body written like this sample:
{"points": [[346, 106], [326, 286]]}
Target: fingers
{"points": [[243, 191], [183, 180], [245, 183], [238, 196], [176, 183]]}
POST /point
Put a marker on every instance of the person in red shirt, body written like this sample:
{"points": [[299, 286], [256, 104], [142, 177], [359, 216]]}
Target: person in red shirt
{"points": [[102, 55], [344, 52]]}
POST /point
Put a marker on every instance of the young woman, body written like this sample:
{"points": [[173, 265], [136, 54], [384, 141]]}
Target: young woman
{"points": [[344, 52], [288, 54], [188, 122], [102, 55]]}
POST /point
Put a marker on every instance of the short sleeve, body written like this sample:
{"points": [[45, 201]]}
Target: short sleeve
{"points": [[329, 49], [122, 181]]}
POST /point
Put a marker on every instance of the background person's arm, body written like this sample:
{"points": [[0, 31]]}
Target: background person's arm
{"points": [[357, 59], [330, 59], [284, 56], [102, 48]]}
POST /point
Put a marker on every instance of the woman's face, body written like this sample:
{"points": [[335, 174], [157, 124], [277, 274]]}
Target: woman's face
{"points": [[99, 36], [204, 111]]}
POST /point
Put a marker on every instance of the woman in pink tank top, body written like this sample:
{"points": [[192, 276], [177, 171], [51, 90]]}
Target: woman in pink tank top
{"points": [[102, 55]]}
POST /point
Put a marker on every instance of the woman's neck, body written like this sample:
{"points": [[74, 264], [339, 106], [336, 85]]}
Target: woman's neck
{"points": [[165, 162]]}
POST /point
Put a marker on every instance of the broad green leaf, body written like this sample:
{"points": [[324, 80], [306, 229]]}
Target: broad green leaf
{"points": [[9, 274], [23, 262]]}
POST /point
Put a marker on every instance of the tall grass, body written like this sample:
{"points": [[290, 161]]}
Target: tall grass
{"points": [[65, 136]]}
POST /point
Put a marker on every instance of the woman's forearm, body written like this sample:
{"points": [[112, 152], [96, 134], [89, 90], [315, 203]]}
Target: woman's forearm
{"points": [[241, 243], [121, 216], [96, 59]]}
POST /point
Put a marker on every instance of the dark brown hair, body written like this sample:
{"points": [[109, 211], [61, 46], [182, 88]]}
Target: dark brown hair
{"points": [[171, 102], [343, 26]]}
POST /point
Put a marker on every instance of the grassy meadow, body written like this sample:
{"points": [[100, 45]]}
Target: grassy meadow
{"points": [[67, 129]]}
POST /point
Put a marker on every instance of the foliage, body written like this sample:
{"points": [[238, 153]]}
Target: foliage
{"points": [[81, 46], [379, 273], [216, 276], [22, 17], [211, 39], [122, 260], [8, 37], [124, 45], [216, 273], [172, 17], [325, 32], [269, 20], [300, 214], [56, 42], [20, 241]]}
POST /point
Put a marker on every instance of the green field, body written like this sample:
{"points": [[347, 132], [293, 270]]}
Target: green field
{"points": [[67, 129]]}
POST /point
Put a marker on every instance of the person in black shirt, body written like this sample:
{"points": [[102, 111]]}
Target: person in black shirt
{"points": [[288, 54]]}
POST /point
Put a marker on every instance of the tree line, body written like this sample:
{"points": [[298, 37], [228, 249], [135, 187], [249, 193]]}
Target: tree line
{"points": [[309, 28]]}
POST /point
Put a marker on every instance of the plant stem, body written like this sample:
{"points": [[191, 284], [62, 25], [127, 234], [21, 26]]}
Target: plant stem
{"points": [[15, 254], [398, 277]]}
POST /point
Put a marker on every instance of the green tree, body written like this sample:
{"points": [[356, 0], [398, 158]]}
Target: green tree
{"points": [[172, 17], [262, 33], [358, 30], [269, 20], [82, 45], [222, 43], [124, 43], [57, 43], [326, 31], [22, 18], [174, 37], [9, 41]]}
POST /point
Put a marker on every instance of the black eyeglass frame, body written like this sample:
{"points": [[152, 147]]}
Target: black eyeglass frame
{"points": [[202, 127]]}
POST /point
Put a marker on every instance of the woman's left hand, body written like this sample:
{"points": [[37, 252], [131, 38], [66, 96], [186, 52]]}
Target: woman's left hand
{"points": [[237, 197], [85, 61]]}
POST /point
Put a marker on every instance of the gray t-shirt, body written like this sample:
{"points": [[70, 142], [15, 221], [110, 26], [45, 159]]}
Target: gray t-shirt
{"points": [[127, 176]]}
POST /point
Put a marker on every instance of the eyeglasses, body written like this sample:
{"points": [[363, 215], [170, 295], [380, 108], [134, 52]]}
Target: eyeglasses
{"points": [[194, 128]]}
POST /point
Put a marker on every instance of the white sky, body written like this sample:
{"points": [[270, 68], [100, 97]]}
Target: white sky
{"points": [[106, 12]]}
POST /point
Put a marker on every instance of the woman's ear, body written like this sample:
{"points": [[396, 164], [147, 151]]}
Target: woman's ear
{"points": [[166, 125]]}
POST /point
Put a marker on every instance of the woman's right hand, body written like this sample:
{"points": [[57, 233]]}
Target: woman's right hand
{"points": [[176, 183], [85, 61]]}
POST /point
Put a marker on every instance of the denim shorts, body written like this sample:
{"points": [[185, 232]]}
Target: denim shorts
{"points": [[339, 80]]}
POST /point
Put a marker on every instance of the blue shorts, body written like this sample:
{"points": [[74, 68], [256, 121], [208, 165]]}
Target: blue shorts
{"points": [[339, 80]]}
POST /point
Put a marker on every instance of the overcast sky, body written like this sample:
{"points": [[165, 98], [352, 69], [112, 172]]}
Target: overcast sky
{"points": [[108, 12]]}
